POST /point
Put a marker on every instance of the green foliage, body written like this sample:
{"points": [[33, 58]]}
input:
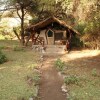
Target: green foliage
{"points": [[59, 64], [6, 31], [30, 5], [3, 58], [34, 20], [36, 78], [2, 47], [13, 74], [91, 37], [17, 29], [76, 42], [71, 80], [94, 72], [6, 37], [91, 34], [1, 37], [93, 27], [80, 26], [87, 92]]}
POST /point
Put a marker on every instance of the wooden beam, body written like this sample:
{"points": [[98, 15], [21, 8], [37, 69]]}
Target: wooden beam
{"points": [[37, 37]]}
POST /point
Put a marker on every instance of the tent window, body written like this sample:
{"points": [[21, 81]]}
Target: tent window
{"points": [[50, 33]]}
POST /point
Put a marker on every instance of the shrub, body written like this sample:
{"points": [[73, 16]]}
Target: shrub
{"points": [[94, 72], [76, 42], [36, 78], [71, 80], [80, 26], [59, 64], [2, 47], [2, 58]]}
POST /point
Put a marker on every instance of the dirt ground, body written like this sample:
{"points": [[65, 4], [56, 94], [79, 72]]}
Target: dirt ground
{"points": [[86, 58], [51, 82]]}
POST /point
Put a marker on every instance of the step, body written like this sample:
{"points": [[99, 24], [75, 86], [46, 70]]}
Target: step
{"points": [[53, 49]]}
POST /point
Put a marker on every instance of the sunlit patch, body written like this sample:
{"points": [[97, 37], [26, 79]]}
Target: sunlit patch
{"points": [[81, 54], [2, 68]]}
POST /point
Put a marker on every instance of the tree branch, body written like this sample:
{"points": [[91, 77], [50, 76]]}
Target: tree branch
{"points": [[18, 13], [15, 17], [25, 12]]}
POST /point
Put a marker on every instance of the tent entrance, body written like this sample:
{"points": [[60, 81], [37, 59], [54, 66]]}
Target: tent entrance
{"points": [[59, 38], [50, 37]]}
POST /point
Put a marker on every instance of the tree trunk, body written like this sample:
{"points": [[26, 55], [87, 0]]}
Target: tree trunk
{"points": [[36, 39], [28, 38], [22, 27], [14, 30]]}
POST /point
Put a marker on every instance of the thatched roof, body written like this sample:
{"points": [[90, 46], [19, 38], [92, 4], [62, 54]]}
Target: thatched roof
{"points": [[43, 24]]}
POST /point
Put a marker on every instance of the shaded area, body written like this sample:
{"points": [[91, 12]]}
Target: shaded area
{"points": [[85, 66], [83, 61]]}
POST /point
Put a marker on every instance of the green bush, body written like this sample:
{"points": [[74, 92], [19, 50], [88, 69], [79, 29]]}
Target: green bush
{"points": [[3, 58], [94, 72], [71, 80], [2, 47], [80, 26], [59, 64], [36, 78], [91, 37], [76, 42]]}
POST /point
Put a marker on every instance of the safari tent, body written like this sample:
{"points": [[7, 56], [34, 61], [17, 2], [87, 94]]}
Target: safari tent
{"points": [[51, 31]]}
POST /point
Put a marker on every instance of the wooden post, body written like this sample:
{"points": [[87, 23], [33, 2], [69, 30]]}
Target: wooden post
{"points": [[14, 30], [28, 38], [36, 38], [33, 36], [70, 35], [46, 35]]}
